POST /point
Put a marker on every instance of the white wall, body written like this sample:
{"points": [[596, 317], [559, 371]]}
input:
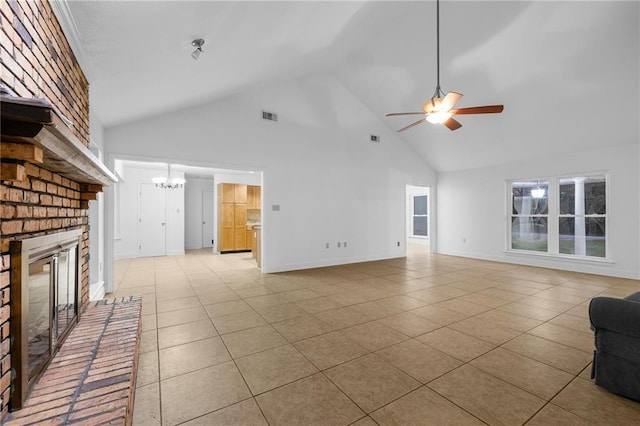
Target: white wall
{"points": [[128, 241], [318, 165], [241, 178], [473, 217]]}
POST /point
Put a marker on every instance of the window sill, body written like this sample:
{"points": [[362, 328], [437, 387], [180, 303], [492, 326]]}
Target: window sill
{"points": [[561, 257]]}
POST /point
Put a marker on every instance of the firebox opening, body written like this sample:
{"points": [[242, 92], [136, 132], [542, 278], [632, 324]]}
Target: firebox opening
{"points": [[45, 279]]}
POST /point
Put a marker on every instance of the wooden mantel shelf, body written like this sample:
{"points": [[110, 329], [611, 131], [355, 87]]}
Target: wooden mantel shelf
{"points": [[35, 121]]}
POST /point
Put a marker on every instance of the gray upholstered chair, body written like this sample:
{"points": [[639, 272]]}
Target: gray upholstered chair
{"points": [[616, 359]]}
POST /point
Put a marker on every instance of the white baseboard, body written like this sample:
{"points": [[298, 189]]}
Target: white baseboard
{"points": [[327, 262], [120, 256], [559, 263], [96, 291]]}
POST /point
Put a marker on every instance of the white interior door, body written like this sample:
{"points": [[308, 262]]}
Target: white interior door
{"points": [[207, 219], [152, 221]]}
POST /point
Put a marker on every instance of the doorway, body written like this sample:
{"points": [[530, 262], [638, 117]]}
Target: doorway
{"points": [[418, 220]]}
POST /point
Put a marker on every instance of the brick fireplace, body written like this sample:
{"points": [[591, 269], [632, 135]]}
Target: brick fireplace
{"points": [[48, 174]]}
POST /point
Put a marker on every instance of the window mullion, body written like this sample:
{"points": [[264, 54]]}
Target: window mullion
{"points": [[552, 223]]}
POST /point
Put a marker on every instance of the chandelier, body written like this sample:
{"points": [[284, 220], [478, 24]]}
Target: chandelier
{"points": [[167, 182]]}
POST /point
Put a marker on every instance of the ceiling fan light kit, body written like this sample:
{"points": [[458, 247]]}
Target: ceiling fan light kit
{"points": [[439, 109], [438, 117]]}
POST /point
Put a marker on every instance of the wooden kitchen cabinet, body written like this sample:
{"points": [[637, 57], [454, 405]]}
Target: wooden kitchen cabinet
{"points": [[240, 227], [232, 217], [226, 192], [240, 194], [226, 213], [233, 202], [258, 197], [251, 197], [254, 197]]}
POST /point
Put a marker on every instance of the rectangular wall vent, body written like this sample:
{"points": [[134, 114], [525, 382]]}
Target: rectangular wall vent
{"points": [[375, 139], [271, 116]]}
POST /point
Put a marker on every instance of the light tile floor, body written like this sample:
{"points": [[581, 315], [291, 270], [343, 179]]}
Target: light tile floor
{"points": [[426, 339]]}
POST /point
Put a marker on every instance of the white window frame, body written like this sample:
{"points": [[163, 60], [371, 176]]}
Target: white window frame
{"points": [[413, 197], [548, 216], [553, 216]]}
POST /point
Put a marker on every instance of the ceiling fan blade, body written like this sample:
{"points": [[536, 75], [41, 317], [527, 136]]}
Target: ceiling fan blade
{"points": [[422, 120], [487, 109], [393, 114], [452, 124], [449, 101]]}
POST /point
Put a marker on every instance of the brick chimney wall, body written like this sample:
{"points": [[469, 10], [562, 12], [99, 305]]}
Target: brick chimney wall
{"points": [[37, 61]]}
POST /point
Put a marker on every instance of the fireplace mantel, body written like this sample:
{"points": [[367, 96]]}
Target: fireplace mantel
{"points": [[35, 121]]}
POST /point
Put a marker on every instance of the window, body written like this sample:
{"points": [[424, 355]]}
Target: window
{"points": [[565, 215], [529, 215], [420, 220], [582, 219]]}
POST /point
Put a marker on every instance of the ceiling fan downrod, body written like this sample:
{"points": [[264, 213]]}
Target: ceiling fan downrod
{"points": [[438, 92], [439, 109]]}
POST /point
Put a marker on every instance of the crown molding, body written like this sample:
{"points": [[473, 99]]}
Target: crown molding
{"points": [[70, 29]]}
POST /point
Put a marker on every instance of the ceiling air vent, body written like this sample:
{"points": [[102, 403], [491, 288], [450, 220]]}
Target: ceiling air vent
{"points": [[271, 116], [374, 139]]}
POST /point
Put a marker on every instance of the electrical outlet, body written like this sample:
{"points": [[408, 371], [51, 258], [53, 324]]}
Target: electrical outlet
{"points": [[344, 244], [326, 245], [338, 245], [398, 243]]}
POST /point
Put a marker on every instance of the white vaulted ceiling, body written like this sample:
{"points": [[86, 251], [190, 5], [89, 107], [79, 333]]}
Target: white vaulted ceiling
{"points": [[567, 72]]}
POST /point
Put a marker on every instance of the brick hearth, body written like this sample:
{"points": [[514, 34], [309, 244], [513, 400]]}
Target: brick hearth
{"points": [[92, 378]]}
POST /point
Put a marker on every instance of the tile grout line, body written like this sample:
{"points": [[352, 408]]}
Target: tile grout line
{"points": [[556, 285], [550, 400], [252, 396], [155, 300]]}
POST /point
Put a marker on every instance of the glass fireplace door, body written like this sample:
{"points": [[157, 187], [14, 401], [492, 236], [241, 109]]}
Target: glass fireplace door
{"points": [[45, 275], [52, 305], [65, 293], [39, 321]]}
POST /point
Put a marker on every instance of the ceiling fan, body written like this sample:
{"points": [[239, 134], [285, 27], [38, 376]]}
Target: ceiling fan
{"points": [[439, 109]]}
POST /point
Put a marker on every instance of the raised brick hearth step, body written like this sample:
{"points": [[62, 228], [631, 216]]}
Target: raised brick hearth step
{"points": [[91, 380]]}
